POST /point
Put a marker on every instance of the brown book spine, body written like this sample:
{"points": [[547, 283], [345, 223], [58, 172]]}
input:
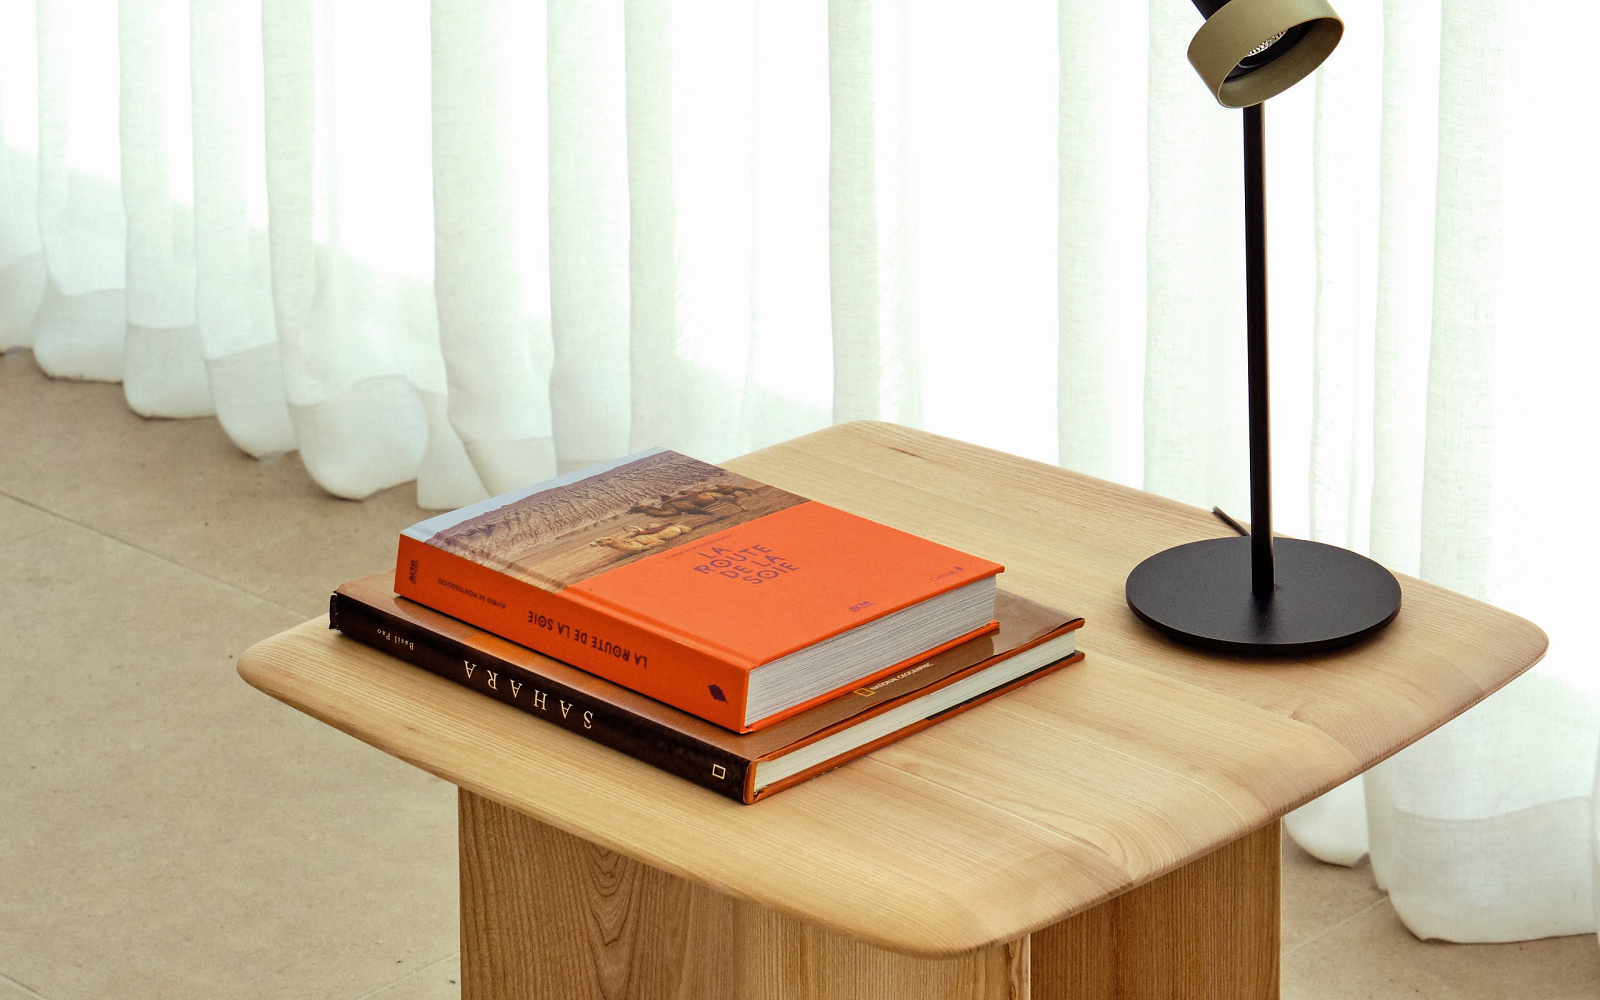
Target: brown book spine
{"points": [[641, 738]]}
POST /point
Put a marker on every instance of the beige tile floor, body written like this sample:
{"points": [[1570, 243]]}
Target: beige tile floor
{"points": [[168, 832]]}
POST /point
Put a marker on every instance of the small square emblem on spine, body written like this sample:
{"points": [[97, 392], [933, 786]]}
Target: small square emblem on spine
{"points": [[718, 771]]}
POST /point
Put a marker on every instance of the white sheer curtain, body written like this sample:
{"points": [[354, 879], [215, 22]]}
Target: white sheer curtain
{"points": [[474, 243]]}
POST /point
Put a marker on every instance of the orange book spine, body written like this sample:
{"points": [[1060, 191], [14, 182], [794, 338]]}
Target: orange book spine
{"points": [[623, 652]]}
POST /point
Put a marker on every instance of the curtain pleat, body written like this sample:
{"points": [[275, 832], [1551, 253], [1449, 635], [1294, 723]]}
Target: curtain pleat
{"points": [[491, 266], [980, 270], [876, 362], [81, 324], [164, 371], [1339, 827], [22, 270], [1407, 171], [343, 114], [788, 376], [654, 256], [590, 297], [1458, 459], [1458, 464], [1194, 390], [689, 102], [233, 277], [1345, 141], [21, 287], [1488, 835], [1103, 140]]}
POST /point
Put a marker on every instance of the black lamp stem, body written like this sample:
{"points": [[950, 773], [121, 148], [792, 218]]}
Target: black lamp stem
{"points": [[1255, 271], [1303, 596]]}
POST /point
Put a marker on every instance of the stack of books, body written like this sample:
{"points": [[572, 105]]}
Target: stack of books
{"points": [[721, 629]]}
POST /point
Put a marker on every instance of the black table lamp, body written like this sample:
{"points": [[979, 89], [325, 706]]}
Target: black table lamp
{"points": [[1257, 594]]}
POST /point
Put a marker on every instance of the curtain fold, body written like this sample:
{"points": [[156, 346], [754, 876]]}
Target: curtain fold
{"points": [[980, 271], [164, 371], [1408, 167], [475, 244], [788, 380], [1346, 126], [876, 370], [232, 270], [491, 261], [1194, 428], [346, 112], [81, 324], [1103, 136], [590, 301], [22, 267]]}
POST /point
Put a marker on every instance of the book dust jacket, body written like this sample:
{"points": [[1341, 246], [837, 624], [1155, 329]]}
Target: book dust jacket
{"points": [[670, 575]]}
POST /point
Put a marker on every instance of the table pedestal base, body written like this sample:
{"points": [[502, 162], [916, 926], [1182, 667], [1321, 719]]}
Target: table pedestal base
{"points": [[1209, 929], [548, 915]]}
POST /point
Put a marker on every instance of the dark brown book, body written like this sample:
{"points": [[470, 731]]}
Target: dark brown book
{"points": [[1031, 641]]}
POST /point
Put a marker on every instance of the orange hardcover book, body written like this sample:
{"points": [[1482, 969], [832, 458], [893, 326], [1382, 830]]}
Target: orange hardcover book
{"points": [[725, 597]]}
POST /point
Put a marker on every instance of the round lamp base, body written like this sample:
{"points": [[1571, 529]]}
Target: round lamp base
{"points": [[1326, 596]]}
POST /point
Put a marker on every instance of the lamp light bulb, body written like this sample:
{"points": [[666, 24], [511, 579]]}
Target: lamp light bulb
{"points": [[1264, 46]]}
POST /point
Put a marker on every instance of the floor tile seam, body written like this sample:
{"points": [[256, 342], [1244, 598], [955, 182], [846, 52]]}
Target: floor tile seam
{"points": [[22, 538], [8, 495], [297, 612], [34, 506], [407, 977], [1324, 932], [24, 987]]}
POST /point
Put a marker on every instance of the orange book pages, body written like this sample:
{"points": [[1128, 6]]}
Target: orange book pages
{"points": [[763, 589], [871, 678], [753, 794], [652, 663]]}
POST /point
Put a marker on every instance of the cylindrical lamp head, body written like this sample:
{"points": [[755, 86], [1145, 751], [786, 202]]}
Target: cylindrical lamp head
{"points": [[1250, 50]]}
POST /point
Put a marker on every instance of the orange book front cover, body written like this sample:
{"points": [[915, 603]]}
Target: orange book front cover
{"points": [[672, 576]]}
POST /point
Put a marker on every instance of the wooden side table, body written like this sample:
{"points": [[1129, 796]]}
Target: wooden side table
{"points": [[1110, 831]]}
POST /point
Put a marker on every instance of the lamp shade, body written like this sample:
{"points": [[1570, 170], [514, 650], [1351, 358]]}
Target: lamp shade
{"points": [[1251, 50]]}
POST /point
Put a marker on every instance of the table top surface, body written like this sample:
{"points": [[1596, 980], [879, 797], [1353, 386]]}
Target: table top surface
{"points": [[1007, 818]]}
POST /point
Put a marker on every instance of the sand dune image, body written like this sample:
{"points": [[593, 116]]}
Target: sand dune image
{"points": [[567, 533]]}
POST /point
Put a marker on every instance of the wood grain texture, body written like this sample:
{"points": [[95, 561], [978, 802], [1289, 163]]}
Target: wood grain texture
{"points": [[1209, 929], [545, 914], [1001, 821]]}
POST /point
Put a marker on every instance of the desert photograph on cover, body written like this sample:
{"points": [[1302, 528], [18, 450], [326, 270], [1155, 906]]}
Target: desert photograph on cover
{"points": [[559, 536]]}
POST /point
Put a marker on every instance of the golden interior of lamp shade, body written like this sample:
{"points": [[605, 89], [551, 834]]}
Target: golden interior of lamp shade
{"points": [[1239, 29]]}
